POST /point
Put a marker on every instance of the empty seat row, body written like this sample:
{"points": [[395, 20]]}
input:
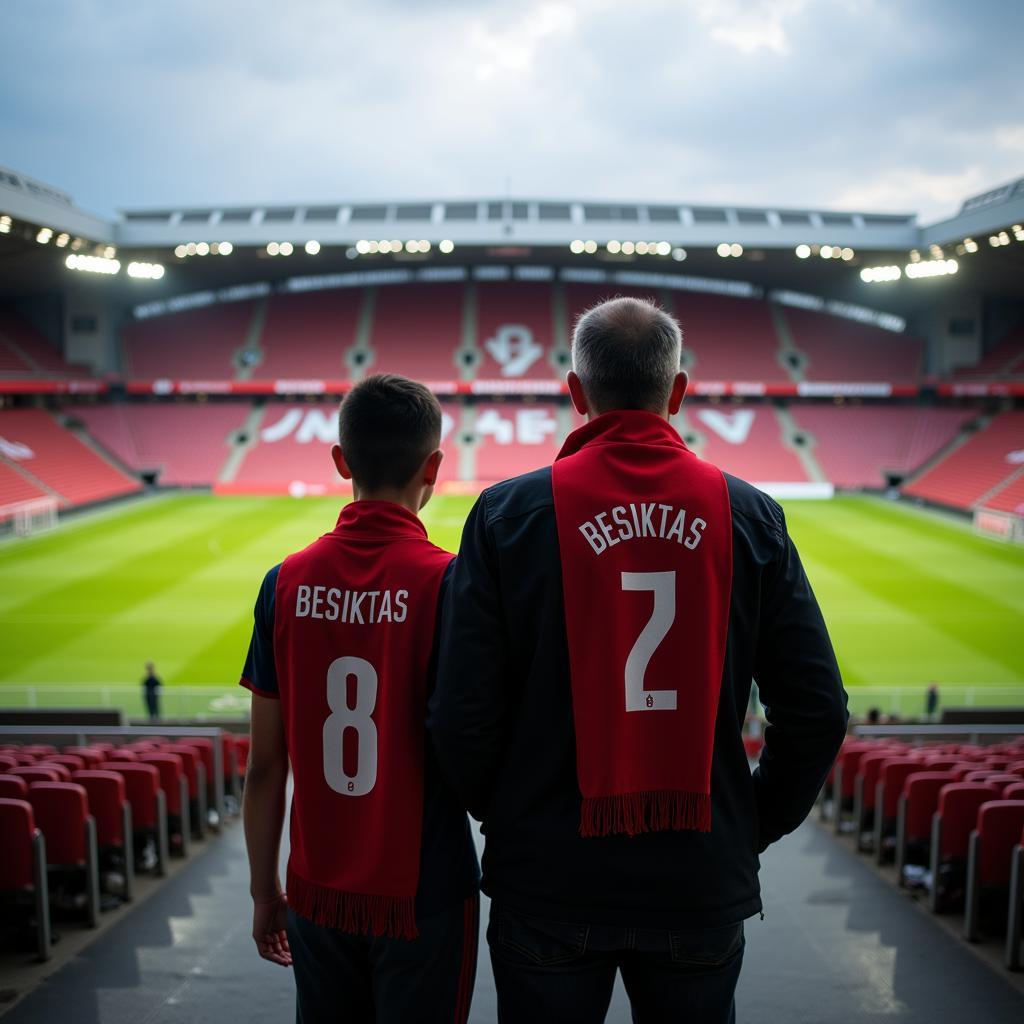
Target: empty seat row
{"points": [[949, 816]]}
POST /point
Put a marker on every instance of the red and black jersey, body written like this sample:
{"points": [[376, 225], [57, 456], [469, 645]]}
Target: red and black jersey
{"points": [[351, 640]]}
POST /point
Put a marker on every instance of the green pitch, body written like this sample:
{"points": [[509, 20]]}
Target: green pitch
{"points": [[909, 597]]}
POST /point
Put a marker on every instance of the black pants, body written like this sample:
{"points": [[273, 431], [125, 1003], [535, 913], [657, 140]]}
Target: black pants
{"points": [[551, 971], [342, 978], [152, 704]]}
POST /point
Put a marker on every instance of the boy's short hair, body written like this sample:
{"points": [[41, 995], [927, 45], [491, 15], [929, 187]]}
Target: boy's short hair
{"points": [[387, 426]]}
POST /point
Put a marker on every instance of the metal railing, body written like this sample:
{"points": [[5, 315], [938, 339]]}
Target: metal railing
{"points": [[175, 701]]}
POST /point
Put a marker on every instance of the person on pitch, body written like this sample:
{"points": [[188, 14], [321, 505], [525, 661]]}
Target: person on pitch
{"points": [[379, 917], [604, 621]]}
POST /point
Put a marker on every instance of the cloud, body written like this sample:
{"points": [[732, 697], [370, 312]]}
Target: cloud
{"points": [[790, 102]]}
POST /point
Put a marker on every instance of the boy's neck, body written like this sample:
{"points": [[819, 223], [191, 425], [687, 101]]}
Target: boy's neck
{"points": [[411, 498]]}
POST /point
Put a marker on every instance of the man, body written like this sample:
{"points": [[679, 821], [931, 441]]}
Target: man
{"points": [[604, 621], [151, 691], [380, 917]]}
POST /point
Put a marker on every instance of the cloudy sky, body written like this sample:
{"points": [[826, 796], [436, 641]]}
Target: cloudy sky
{"points": [[903, 105]]}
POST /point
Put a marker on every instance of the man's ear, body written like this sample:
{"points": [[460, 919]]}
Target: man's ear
{"points": [[339, 462], [675, 399], [579, 399], [432, 466]]}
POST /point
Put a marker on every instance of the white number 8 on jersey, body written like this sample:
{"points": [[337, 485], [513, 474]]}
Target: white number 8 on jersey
{"points": [[343, 718]]}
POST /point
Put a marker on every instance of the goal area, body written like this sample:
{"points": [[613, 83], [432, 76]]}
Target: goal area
{"points": [[25, 518]]}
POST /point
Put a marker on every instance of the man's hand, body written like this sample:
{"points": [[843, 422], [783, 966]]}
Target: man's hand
{"points": [[269, 922]]}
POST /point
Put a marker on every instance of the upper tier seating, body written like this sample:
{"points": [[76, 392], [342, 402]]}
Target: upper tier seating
{"points": [[515, 331], [1005, 359], [60, 460], [306, 334], [188, 445], [198, 344], [294, 443], [24, 352], [417, 329], [14, 487], [974, 468], [746, 440], [856, 445], [838, 349]]}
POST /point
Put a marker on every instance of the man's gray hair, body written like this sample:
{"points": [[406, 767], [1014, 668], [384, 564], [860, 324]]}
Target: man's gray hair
{"points": [[626, 353]]}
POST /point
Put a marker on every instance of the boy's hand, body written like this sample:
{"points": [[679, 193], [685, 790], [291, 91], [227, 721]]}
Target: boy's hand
{"points": [[269, 923]]}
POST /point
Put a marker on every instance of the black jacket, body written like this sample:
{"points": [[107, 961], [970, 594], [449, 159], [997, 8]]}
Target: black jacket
{"points": [[502, 724]]}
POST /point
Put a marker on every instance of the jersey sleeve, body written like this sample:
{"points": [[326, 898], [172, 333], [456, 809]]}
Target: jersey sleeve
{"points": [[259, 673]]}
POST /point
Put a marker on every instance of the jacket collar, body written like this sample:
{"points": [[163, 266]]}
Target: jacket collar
{"points": [[382, 519], [623, 426]]}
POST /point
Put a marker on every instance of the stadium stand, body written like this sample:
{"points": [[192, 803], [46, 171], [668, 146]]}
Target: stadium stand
{"points": [[746, 440], [307, 334], [515, 331], [25, 352], [199, 344], [970, 472], [859, 446], [15, 487], [1009, 497], [60, 461], [291, 450], [185, 445], [837, 349], [1005, 359], [513, 439], [417, 329]]}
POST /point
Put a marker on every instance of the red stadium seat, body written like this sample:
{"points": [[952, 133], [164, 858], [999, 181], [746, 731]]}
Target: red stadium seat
{"points": [[92, 756], [1014, 791], [894, 773], [34, 774], [149, 809], [942, 762], [195, 775], [121, 754], [7, 761], [13, 787], [38, 750], [1015, 914], [917, 804], [864, 793], [108, 804], [1003, 779], [990, 860], [242, 750], [951, 832], [844, 779], [61, 811], [980, 774], [175, 787], [62, 770], [23, 867], [1016, 768], [72, 762]]}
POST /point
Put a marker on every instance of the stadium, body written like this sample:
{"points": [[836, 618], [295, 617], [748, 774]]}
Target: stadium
{"points": [[169, 384]]}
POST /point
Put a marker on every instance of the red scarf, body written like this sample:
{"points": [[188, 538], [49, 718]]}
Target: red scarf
{"points": [[354, 623], [645, 533]]}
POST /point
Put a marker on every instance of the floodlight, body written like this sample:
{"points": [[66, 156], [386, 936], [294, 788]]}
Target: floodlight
{"points": [[180, 251], [273, 248], [590, 246], [446, 245], [202, 248], [287, 249], [803, 251], [576, 246], [679, 254], [226, 249], [723, 249], [312, 247], [614, 247], [628, 248], [735, 249], [664, 248]]}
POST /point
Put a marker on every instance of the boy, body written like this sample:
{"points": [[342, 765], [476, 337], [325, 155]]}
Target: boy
{"points": [[380, 917]]}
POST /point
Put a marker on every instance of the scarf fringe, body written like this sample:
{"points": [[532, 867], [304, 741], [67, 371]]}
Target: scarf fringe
{"points": [[649, 811], [355, 912]]}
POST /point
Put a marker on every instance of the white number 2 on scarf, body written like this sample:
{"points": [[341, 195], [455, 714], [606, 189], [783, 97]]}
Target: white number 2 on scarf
{"points": [[663, 586], [343, 719]]}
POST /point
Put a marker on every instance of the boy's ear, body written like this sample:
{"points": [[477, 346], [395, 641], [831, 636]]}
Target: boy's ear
{"points": [[432, 466], [579, 399], [339, 462]]}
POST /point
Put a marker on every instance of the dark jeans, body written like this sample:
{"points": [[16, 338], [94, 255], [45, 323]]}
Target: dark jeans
{"points": [[342, 978], [152, 704], [551, 971]]}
